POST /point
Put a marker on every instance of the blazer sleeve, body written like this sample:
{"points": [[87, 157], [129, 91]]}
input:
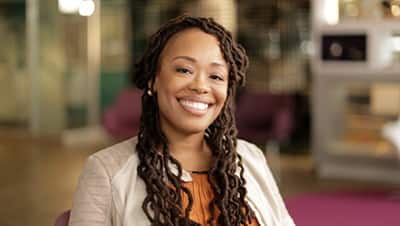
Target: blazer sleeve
{"points": [[261, 173], [92, 200], [284, 217]]}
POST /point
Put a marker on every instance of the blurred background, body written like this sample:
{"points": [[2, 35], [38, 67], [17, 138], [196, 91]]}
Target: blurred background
{"points": [[322, 96]]}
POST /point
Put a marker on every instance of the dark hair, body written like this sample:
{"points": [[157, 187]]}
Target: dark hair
{"points": [[163, 203]]}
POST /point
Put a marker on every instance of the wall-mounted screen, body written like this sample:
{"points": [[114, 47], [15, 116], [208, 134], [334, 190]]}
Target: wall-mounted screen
{"points": [[344, 47]]}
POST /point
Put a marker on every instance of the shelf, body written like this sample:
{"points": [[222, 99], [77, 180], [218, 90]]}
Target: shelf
{"points": [[357, 71], [354, 26], [371, 150], [366, 122], [352, 100]]}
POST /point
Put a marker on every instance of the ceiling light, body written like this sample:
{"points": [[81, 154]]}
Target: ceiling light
{"points": [[86, 8]]}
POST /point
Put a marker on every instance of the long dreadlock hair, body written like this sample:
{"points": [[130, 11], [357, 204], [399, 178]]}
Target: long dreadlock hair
{"points": [[163, 203]]}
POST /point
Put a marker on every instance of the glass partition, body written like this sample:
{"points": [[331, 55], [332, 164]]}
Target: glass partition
{"points": [[14, 91]]}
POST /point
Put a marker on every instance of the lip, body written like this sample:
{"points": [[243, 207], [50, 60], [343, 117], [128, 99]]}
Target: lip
{"points": [[192, 110]]}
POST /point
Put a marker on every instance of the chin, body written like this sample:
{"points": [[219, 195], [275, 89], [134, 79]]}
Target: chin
{"points": [[193, 127]]}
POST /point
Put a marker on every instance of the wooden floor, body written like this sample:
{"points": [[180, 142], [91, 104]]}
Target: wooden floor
{"points": [[39, 175]]}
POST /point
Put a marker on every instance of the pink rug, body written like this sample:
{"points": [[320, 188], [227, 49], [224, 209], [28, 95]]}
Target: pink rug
{"points": [[367, 208]]}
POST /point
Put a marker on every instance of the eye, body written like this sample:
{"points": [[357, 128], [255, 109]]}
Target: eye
{"points": [[217, 77], [183, 70]]}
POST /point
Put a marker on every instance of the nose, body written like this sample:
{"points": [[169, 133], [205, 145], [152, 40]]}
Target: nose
{"points": [[199, 84]]}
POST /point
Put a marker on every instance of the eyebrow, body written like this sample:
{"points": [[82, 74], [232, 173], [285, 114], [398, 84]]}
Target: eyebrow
{"points": [[194, 61]]}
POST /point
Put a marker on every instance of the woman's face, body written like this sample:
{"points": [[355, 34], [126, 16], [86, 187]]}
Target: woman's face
{"points": [[191, 82]]}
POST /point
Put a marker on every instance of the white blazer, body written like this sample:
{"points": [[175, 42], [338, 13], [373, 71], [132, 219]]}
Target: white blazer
{"points": [[110, 193]]}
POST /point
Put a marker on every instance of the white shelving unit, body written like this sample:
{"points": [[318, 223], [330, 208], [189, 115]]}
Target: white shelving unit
{"points": [[347, 141]]}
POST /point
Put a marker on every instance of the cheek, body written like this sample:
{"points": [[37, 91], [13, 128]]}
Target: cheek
{"points": [[165, 86], [221, 95]]}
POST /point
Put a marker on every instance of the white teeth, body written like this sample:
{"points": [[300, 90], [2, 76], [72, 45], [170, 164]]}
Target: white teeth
{"points": [[197, 105]]}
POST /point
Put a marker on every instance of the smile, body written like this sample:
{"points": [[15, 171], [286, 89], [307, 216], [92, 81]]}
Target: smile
{"points": [[194, 107]]}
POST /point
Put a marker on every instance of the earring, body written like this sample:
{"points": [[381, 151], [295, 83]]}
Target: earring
{"points": [[149, 93]]}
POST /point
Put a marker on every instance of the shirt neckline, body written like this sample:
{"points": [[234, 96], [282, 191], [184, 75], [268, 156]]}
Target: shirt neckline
{"points": [[199, 172]]}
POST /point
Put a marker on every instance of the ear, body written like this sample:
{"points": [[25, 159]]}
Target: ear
{"points": [[153, 84]]}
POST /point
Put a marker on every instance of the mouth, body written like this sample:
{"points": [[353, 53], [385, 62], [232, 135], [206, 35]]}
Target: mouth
{"points": [[198, 108]]}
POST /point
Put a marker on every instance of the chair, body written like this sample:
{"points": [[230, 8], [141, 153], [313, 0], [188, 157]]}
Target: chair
{"points": [[62, 219], [262, 117], [266, 119], [122, 119]]}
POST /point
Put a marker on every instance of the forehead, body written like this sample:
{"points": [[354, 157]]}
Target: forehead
{"points": [[192, 41]]}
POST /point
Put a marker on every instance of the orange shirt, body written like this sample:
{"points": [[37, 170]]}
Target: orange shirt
{"points": [[202, 195]]}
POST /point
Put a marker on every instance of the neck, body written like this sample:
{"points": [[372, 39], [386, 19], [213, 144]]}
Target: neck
{"points": [[190, 150], [186, 144]]}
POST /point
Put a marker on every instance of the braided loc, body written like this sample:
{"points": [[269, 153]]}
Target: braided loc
{"points": [[163, 203]]}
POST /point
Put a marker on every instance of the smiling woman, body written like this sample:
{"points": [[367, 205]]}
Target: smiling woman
{"points": [[186, 165], [191, 83]]}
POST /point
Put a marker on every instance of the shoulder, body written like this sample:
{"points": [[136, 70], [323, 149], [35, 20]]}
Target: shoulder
{"points": [[248, 151], [114, 157], [253, 159]]}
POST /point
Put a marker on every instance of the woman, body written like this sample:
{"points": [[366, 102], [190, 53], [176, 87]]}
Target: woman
{"points": [[186, 166]]}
